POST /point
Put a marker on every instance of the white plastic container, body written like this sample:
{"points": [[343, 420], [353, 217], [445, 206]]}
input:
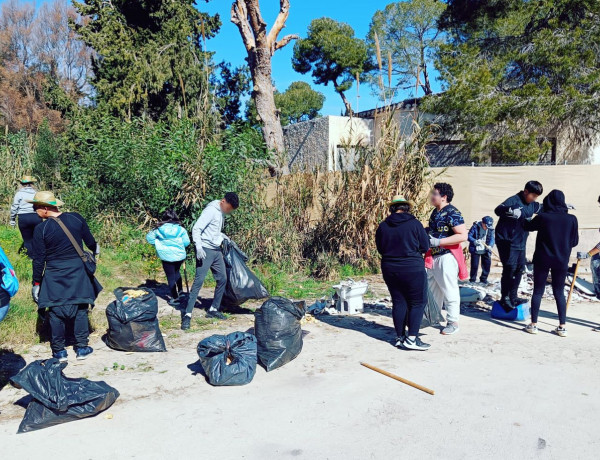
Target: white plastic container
{"points": [[350, 297]]}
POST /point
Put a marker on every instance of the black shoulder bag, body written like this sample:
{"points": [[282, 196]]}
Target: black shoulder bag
{"points": [[88, 259]]}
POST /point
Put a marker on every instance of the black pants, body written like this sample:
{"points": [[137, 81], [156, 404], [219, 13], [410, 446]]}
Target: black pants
{"points": [[27, 224], [513, 266], [60, 317], [409, 295], [540, 275], [486, 265], [173, 272]]}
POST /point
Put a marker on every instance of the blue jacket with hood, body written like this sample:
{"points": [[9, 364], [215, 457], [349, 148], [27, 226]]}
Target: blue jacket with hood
{"points": [[170, 241]]}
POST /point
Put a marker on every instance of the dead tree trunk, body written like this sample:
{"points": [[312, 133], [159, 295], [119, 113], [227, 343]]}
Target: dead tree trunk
{"points": [[261, 45]]}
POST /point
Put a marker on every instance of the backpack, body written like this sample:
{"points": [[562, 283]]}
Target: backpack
{"points": [[8, 280]]}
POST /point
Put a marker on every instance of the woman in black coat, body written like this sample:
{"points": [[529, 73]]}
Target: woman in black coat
{"points": [[402, 241], [557, 236]]}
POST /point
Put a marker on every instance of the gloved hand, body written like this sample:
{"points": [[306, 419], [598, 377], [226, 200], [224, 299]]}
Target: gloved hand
{"points": [[12, 223], [200, 252], [35, 292], [434, 242], [97, 252], [570, 206], [514, 213], [225, 237], [582, 255]]}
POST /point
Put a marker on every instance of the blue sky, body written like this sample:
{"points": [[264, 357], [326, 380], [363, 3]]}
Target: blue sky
{"points": [[228, 44]]}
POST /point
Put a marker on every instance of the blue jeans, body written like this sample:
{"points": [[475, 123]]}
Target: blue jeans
{"points": [[3, 311], [595, 266]]}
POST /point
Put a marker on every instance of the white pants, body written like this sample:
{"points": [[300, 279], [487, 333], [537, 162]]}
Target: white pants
{"points": [[443, 284]]}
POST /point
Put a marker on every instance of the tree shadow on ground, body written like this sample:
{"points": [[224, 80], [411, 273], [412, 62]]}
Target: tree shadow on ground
{"points": [[11, 364]]}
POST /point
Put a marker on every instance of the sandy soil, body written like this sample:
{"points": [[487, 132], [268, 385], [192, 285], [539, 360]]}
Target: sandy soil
{"points": [[499, 394]]}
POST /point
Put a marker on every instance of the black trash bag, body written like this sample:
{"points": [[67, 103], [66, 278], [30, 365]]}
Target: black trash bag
{"points": [[242, 284], [58, 399], [278, 332], [432, 315], [133, 325], [228, 359]]}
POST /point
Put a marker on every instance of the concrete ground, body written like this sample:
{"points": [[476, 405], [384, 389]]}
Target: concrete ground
{"points": [[499, 394]]}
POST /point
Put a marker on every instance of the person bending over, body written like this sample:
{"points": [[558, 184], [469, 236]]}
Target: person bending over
{"points": [[208, 236], [481, 242]]}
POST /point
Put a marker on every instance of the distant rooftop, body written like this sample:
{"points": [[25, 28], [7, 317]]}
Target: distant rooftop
{"points": [[406, 104]]}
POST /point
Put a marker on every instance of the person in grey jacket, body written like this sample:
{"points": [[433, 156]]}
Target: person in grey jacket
{"points": [[207, 236], [22, 208]]}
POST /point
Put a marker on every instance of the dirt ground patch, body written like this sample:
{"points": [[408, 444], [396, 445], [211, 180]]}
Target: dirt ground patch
{"points": [[500, 394]]}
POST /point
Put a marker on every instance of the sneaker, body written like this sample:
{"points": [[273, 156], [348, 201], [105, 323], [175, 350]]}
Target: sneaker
{"points": [[532, 329], [400, 342], [416, 344], [472, 281], [83, 352], [185, 322], [451, 328], [560, 331], [215, 314], [61, 355], [596, 329]]}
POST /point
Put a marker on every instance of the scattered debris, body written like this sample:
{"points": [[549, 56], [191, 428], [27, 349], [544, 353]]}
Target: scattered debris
{"points": [[349, 296]]}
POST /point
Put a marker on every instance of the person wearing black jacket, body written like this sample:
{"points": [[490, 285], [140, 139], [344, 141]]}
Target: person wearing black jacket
{"points": [[557, 236], [401, 240], [60, 281], [511, 239]]}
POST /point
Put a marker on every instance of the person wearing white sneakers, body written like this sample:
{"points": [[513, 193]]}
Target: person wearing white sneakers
{"points": [[557, 236]]}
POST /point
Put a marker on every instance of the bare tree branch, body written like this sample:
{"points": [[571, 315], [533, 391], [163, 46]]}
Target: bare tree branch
{"points": [[279, 24], [285, 40], [239, 16]]}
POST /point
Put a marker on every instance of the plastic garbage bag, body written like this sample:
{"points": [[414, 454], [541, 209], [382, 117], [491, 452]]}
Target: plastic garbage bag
{"points": [[432, 315], [133, 323], [242, 284], [228, 359], [58, 399], [278, 332]]}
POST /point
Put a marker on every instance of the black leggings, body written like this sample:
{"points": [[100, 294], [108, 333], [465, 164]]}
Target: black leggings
{"points": [[27, 224], [540, 275], [409, 295], [173, 272]]}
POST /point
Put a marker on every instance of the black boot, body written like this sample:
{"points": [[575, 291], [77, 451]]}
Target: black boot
{"points": [[506, 304]]}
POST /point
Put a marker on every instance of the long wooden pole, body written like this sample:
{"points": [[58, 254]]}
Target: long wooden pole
{"points": [[573, 283], [400, 379]]}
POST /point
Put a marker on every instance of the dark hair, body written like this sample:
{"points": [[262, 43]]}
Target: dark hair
{"points": [[404, 207], [232, 199], [598, 198], [169, 217], [445, 190], [534, 186]]}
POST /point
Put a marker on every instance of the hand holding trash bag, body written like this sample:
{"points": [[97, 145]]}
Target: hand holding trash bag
{"points": [[242, 284], [228, 359]]}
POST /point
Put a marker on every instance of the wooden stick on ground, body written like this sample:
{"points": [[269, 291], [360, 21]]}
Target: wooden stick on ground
{"points": [[573, 283], [400, 379]]}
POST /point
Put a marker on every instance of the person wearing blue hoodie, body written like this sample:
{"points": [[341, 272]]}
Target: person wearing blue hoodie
{"points": [[402, 241], [170, 240], [208, 236]]}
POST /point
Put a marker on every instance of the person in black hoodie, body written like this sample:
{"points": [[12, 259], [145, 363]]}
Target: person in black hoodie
{"points": [[557, 236], [511, 239], [401, 240]]}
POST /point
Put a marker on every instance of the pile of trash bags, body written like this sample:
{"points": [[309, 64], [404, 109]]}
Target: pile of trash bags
{"points": [[228, 359], [242, 284], [132, 321], [58, 399], [278, 332]]}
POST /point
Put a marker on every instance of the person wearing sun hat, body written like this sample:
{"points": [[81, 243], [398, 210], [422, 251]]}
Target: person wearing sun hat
{"points": [[402, 241], [61, 283], [23, 210]]}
